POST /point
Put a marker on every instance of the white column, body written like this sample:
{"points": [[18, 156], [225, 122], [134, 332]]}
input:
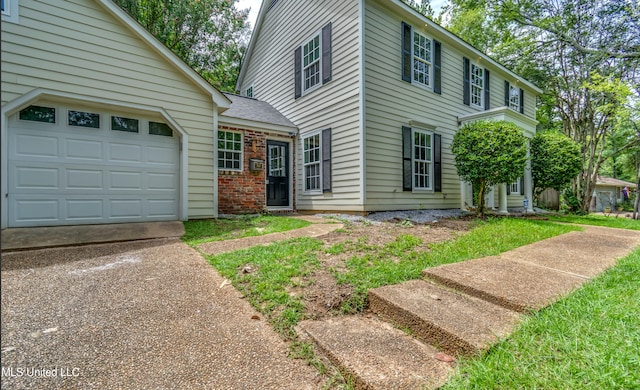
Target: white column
{"points": [[502, 195], [490, 198], [463, 195], [528, 181]]}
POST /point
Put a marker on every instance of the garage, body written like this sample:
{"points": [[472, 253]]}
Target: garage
{"points": [[70, 165]]}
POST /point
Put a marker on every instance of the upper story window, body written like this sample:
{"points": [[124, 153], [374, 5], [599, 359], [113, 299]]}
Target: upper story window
{"points": [[249, 91], [477, 85], [10, 11], [229, 150], [513, 97], [312, 61], [422, 59]]}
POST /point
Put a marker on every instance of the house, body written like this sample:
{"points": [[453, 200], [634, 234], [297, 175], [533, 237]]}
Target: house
{"points": [[608, 192], [377, 92], [101, 123]]}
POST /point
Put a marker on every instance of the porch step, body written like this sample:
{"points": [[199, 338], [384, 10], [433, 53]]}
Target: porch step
{"points": [[453, 322], [375, 355]]}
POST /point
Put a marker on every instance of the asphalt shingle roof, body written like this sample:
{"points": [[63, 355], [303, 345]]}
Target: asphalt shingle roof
{"points": [[255, 110]]}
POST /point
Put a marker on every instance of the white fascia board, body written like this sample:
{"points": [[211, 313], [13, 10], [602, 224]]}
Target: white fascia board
{"points": [[257, 126], [252, 43], [218, 98]]}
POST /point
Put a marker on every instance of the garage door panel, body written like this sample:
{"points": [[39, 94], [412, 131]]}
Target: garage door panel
{"points": [[26, 145], [125, 153], [84, 179], [162, 155], [84, 209], [162, 181], [119, 180], [35, 178], [162, 208], [80, 149], [125, 208], [28, 211]]}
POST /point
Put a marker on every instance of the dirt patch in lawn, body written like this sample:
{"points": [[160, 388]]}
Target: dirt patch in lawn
{"points": [[320, 292]]}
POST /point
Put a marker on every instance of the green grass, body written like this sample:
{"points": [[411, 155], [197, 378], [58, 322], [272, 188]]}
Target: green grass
{"points": [[598, 220], [200, 231], [275, 269], [397, 261], [588, 340]]}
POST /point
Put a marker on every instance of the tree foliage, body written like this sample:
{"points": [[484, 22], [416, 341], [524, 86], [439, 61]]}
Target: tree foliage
{"points": [[555, 161], [209, 35], [489, 153]]}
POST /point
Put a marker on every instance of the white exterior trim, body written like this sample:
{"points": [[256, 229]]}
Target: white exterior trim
{"points": [[38, 94], [257, 126], [361, 103], [11, 12]]}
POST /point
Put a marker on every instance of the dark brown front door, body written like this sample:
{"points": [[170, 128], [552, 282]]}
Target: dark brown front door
{"points": [[277, 173]]}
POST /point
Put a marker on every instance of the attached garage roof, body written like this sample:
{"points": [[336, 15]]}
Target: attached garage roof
{"points": [[262, 114]]}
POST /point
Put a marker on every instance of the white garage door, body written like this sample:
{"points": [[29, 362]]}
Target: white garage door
{"points": [[70, 166]]}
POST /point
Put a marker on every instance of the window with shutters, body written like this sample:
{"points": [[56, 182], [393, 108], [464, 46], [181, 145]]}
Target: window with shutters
{"points": [[422, 59], [514, 98], [311, 63], [477, 86], [515, 187], [422, 160], [312, 152]]}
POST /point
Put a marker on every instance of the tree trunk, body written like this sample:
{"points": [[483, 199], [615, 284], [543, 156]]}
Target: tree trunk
{"points": [[481, 191]]}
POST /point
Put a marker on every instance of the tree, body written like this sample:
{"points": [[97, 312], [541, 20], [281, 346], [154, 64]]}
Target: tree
{"points": [[489, 153], [424, 7], [555, 161], [209, 35]]}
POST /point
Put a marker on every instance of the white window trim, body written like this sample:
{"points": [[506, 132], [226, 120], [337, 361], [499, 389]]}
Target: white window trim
{"points": [[10, 13], [305, 191], [413, 56], [246, 91], [515, 106], [233, 151], [413, 161], [305, 42], [517, 186], [471, 85]]}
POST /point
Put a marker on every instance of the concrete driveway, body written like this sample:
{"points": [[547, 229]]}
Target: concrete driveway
{"points": [[136, 315]]}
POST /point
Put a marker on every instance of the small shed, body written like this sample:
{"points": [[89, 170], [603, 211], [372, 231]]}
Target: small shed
{"points": [[608, 192]]}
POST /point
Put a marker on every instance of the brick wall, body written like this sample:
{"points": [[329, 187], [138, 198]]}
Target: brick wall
{"points": [[245, 192]]}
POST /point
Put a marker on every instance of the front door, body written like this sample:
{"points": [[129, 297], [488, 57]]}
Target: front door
{"points": [[277, 173]]}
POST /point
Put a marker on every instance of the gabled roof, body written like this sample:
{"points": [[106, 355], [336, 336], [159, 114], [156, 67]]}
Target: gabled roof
{"points": [[251, 112], [611, 182], [402, 8], [218, 97]]}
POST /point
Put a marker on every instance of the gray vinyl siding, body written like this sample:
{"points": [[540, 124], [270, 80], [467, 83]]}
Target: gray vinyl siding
{"points": [[77, 47], [334, 105], [391, 103]]}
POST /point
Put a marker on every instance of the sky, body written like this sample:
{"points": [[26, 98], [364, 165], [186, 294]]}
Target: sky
{"points": [[255, 8]]}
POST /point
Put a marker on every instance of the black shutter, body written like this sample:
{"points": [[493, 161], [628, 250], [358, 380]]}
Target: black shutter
{"points": [[437, 67], [507, 93], [521, 101], [437, 163], [466, 85], [522, 185], [326, 53], [487, 89], [407, 184], [326, 160], [508, 188], [298, 72], [406, 52]]}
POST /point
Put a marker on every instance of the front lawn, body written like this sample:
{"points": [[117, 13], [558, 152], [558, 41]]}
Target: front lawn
{"points": [[598, 220]]}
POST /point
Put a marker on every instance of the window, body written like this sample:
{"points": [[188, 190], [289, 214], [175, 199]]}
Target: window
{"points": [[84, 119], [249, 92], [5, 11], [312, 172], [514, 98], [316, 152], [515, 188], [312, 62], [422, 159], [421, 59], [229, 150], [10, 11], [157, 128], [477, 85], [38, 114], [124, 124]]}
